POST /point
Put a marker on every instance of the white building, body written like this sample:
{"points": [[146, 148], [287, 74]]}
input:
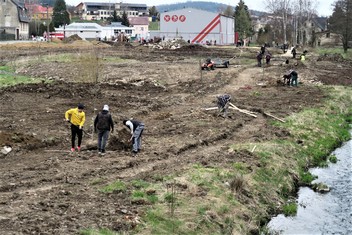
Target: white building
{"points": [[105, 10], [94, 31], [197, 26]]}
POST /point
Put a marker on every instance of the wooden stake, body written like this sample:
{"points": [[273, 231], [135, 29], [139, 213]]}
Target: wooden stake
{"points": [[270, 115], [232, 106], [213, 108], [244, 111]]}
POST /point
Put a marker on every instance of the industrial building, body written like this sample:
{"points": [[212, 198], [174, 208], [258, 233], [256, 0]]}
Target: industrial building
{"points": [[196, 26]]}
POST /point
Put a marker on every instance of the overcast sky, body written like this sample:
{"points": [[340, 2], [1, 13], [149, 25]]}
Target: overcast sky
{"points": [[323, 7]]}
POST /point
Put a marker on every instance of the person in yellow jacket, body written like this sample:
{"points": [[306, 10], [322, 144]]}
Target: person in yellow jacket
{"points": [[76, 117]]}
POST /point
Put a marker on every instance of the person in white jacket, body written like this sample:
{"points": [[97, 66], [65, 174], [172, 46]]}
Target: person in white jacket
{"points": [[136, 128]]}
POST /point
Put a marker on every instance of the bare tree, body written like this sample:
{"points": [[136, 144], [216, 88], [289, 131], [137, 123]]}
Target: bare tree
{"points": [[303, 10], [281, 9]]}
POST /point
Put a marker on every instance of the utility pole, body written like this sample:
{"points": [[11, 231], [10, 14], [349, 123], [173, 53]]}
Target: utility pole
{"points": [[47, 19]]}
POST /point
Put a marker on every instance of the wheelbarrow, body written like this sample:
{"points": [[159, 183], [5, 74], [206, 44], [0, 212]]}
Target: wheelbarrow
{"points": [[220, 63]]}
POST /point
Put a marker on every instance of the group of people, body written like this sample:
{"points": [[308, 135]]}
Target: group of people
{"points": [[103, 126], [291, 78], [263, 53]]}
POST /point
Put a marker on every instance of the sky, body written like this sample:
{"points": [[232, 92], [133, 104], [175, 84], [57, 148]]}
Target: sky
{"points": [[323, 7]]}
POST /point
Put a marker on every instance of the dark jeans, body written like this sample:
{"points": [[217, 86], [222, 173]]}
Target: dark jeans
{"points": [[137, 137], [76, 131], [103, 136]]}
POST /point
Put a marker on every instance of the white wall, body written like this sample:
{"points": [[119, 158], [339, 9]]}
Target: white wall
{"points": [[197, 26]]}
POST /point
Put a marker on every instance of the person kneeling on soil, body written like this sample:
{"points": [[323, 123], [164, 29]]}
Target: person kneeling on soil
{"points": [[223, 102], [208, 65], [136, 128], [76, 117], [103, 123]]}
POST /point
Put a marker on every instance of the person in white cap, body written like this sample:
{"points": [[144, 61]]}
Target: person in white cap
{"points": [[103, 124]]}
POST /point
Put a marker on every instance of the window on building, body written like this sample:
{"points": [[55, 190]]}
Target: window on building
{"points": [[312, 24], [328, 35]]}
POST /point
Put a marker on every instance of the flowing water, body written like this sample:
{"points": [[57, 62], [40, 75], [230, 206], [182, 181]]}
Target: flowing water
{"points": [[329, 213]]}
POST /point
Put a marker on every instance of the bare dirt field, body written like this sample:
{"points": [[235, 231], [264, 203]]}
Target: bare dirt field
{"points": [[45, 190]]}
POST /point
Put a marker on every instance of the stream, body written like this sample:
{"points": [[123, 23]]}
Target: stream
{"points": [[317, 213]]}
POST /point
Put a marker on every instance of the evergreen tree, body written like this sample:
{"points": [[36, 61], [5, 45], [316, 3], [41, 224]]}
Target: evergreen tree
{"points": [[60, 14], [341, 20], [153, 11], [243, 22], [124, 20]]}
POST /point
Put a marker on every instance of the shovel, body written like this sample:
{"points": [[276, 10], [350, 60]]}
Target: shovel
{"points": [[81, 129]]}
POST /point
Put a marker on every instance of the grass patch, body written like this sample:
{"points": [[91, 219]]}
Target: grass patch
{"points": [[13, 79], [115, 187], [154, 26], [290, 209], [333, 159], [98, 232], [347, 55], [140, 184]]}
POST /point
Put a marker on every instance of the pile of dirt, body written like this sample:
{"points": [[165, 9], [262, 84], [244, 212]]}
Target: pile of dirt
{"points": [[192, 47], [72, 38], [120, 141]]}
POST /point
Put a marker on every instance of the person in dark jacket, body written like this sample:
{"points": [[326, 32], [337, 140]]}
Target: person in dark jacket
{"points": [[259, 59], [136, 129], [293, 52], [294, 77], [223, 102], [103, 124], [268, 58]]}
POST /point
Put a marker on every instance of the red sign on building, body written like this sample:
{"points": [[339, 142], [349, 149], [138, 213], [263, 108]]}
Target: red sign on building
{"points": [[182, 18], [174, 18], [167, 18]]}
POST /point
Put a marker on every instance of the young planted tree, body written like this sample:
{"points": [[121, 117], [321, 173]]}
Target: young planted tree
{"points": [[60, 14], [243, 22], [341, 20]]}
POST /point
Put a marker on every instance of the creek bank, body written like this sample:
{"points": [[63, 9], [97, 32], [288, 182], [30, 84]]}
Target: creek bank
{"points": [[323, 213]]}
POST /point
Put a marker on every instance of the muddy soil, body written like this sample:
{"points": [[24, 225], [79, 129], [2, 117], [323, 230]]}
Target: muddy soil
{"points": [[46, 190]]}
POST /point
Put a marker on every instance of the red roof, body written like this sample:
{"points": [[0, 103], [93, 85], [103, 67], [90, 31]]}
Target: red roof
{"points": [[142, 20], [35, 8]]}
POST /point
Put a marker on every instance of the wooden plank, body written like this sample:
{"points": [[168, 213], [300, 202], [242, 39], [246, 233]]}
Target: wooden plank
{"points": [[213, 108], [270, 115]]}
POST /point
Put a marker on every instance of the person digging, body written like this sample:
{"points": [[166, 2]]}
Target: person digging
{"points": [[136, 129], [223, 102]]}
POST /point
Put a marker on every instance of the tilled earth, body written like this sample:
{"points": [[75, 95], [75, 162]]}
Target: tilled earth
{"points": [[45, 190]]}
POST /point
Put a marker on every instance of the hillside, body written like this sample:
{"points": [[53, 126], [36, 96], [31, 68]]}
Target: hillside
{"points": [[202, 5]]}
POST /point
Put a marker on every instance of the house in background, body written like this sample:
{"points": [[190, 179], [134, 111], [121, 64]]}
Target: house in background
{"points": [[141, 26], [315, 32], [38, 12], [14, 21], [103, 11]]}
